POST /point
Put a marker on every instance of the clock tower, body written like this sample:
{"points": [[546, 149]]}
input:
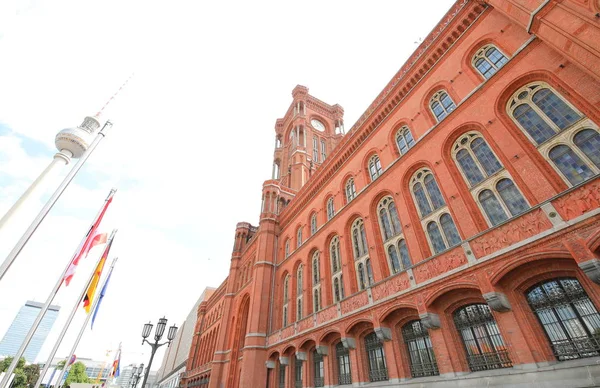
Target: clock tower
{"points": [[307, 133]]}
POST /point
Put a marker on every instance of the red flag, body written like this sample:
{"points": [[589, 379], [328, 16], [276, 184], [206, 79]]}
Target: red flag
{"points": [[91, 239]]}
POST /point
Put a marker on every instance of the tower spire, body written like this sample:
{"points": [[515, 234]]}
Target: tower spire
{"points": [[113, 96]]}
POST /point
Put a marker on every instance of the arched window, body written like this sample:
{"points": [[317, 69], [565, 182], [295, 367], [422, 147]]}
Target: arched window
{"points": [[330, 209], [316, 299], [420, 351], [391, 232], [350, 190], [285, 316], [404, 140], [342, 356], [299, 237], [426, 192], [316, 268], [438, 223], [313, 224], [287, 248], [318, 369], [563, 135], [376, 358], [316, 149], [568, 316], [499, 199], [337, 296], [441, 105], [359, 239], [488, 60], [482, 340], [361, 276], [286, 299], [374, 167], [334, 249], [299, 290]]}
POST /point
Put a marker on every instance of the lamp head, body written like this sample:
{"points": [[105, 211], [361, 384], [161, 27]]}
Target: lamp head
{"points": [[160, 328], [146, 330], [172, 333]]}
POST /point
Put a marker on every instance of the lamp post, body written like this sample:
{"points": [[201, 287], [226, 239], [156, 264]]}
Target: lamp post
{"points": [[160, 330], [136, 373]]}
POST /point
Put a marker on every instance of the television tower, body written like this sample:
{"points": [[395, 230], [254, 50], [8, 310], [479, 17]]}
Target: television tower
{"points": [[71, 143]]}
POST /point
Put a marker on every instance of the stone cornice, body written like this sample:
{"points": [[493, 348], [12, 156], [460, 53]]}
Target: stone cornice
{"points": [[437, 43]]}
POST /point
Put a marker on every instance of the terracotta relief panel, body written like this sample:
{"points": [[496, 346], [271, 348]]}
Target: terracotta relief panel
{"points": [[391, 286], [306, 323], [327, 314], [274, 338], [287, 332], [578, 202], [440, 264], [517, 230], [354, 302]]}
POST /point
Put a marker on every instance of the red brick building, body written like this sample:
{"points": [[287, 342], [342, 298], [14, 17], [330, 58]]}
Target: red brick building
{"points": [[450, 238]]}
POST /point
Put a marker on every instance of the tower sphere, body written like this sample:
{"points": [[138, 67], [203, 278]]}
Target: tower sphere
{"points": [[76, 140]]}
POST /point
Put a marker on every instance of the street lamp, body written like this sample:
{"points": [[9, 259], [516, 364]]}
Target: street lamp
{"points": [[136, 373], [158, 333]]}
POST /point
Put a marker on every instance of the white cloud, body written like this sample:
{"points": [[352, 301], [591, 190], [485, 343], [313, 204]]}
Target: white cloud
{"points": [[193, 135]]}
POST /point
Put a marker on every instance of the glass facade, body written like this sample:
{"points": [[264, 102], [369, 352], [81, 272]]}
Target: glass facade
{"points": [[11, 342]]}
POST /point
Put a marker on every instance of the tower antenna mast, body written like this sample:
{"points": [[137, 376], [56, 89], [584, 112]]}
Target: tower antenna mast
{"points": [[113, 96]]}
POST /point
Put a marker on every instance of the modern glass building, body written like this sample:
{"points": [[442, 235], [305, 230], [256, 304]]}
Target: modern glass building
{"points": [[14, 336]]}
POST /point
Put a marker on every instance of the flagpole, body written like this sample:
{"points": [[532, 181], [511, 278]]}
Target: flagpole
{"points": [[12, 256], [66, 326], [44, 309], [85, 323]]}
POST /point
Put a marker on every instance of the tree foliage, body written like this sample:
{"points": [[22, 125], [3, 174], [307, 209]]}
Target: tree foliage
{"points": [[77, 374], [32, 372], [21, 378]]}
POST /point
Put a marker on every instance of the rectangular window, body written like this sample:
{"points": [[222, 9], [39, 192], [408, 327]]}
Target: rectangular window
{"points": [[323, 150], [316, 149]]}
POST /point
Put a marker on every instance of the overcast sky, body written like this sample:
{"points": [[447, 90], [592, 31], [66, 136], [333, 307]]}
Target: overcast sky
{"points": [[193, 133]]}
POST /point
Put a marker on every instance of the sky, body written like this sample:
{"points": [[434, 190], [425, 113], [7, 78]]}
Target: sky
{"points": [[192, 141]]}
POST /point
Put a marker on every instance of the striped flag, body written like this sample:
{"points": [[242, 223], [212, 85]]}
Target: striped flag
{"points": [[115, 371], [102, 292], [91, 239], [91, 291]]}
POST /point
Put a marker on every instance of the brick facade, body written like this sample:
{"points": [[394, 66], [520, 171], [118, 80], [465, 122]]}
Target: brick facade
{"points": [[473, 238]]}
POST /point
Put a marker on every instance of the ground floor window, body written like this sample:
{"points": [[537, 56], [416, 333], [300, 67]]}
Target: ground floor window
{"points": [[420, 350], [343, 362], [281, 376], [481, 338], [568, 317], [376, 358], [297, 372], [318, 369]]}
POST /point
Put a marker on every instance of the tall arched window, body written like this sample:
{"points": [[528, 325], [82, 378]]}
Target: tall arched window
{"points": [[404, 140], [299, 291], [393, 239], [563, 135], [330, 209], [441, 105], [488, 60], [481, 337], [342, 356], [286, 299], [336, 269], [420, 351], [316, 280], [376, 358], [350, 190], [299, 237], [498, 196], [435, 219], [313, 224], [287, 247], [374, 167], [361, 253], [318, 369], [316, 268], [568, 316]]}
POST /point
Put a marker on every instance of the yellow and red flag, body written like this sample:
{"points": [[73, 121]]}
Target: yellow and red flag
{"points": [[91, 291]]}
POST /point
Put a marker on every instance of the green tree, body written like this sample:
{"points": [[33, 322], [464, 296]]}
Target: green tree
{"points": [[4, 364], [20, 380], [77, 374], [32, 372]]}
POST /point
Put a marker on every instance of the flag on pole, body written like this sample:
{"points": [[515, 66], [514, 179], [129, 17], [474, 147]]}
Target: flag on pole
{"points": [[115, 371], [91, 239], [102, 292], [91, 291]]}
